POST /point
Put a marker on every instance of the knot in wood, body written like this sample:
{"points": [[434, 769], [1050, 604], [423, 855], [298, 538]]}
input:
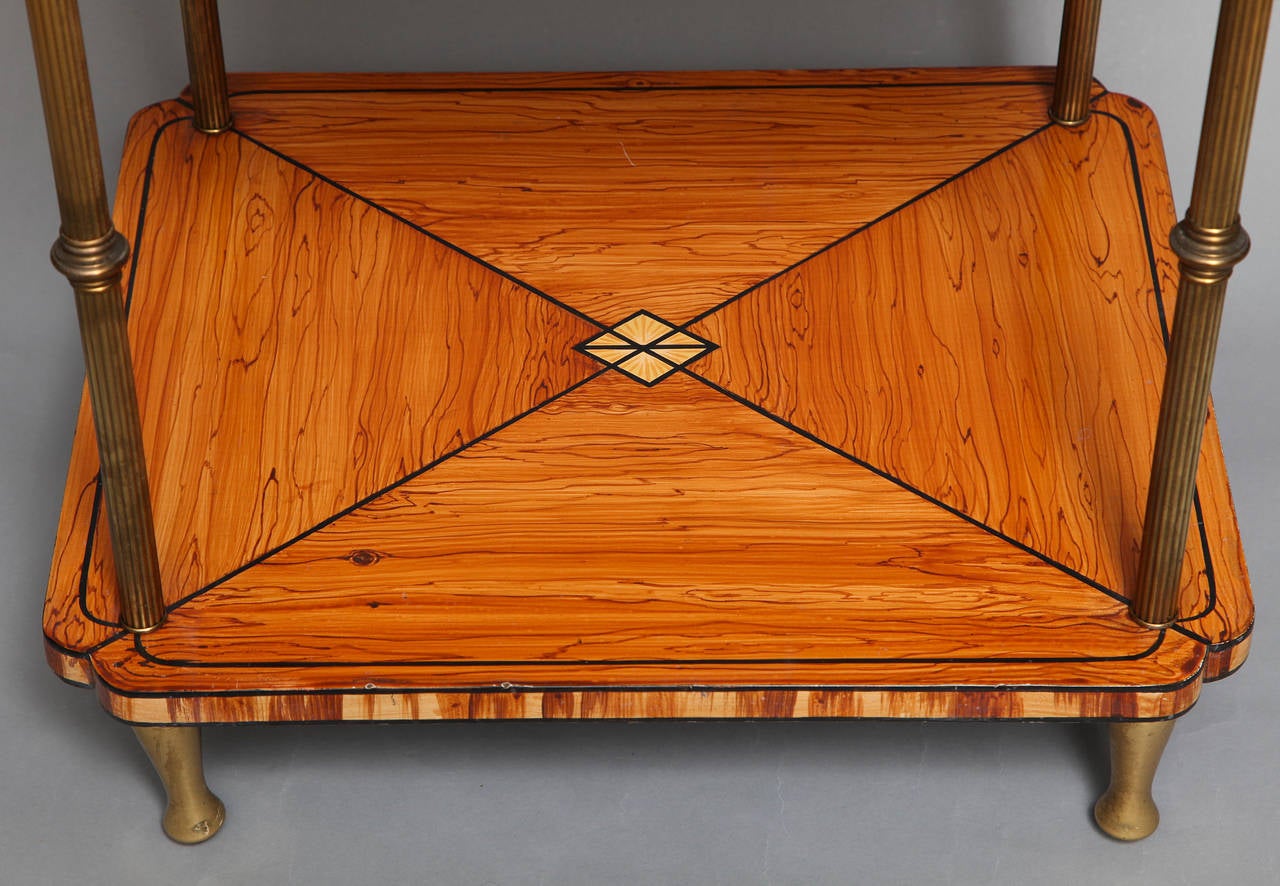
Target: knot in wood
{"points": [[364, 557]]}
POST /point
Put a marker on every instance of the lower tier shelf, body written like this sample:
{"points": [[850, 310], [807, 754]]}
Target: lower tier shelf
{"points": [[685, 395]]}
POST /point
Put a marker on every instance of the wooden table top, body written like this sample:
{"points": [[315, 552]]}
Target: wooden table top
{"points": [[789, 394]]}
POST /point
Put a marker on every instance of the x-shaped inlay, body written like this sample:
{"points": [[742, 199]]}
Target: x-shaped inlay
{"points": [[646, 347]]}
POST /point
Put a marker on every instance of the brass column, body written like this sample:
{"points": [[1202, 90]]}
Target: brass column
{"points": [[1209, 243], [1076, 48], [206, 66], [91, 253]]}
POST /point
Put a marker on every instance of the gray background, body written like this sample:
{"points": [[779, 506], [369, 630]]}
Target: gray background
{"points": [[738, 803]]}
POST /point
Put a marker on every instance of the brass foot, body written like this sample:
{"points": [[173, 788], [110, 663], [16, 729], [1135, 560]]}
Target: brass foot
{"points": [[194, 814], [1126, 811]]}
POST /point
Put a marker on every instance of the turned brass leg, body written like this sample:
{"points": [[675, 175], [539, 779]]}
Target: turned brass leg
{"points": [[1126, 811], [194, 814]]}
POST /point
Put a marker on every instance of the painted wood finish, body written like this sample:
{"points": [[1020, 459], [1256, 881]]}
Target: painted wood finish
{"points": [[894, 466], [266, 348], [613, 204], [1060, 354], [611, 511]]}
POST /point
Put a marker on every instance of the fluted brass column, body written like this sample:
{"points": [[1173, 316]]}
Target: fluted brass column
{"points": [[1209, 242], [206, 66], [91, 253], [1076, 49]]}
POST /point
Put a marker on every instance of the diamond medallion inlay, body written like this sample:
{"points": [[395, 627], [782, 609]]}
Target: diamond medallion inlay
{"points": [[646, 347]]}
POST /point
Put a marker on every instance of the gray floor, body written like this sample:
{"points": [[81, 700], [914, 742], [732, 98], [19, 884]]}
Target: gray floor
{"points": [[736, 803]]}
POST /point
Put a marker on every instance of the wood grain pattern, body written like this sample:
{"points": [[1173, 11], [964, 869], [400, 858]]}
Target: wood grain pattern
{"points": [[1224, 612], [629, 523], [1172, 667], [1031, 320], [655, 704], [1223, 661], [899, 689], [281, 381], [66, 622], [626, 551], [665, 536], [1200, 610], [675, 203], [242, 82]]}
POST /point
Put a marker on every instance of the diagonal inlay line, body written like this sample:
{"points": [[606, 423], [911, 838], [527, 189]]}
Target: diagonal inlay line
{"points": [[813, 320], [314, 287], [871, 224], [311, 530], [694, 424], [879, 472], [419, 228], [714, 197]]}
